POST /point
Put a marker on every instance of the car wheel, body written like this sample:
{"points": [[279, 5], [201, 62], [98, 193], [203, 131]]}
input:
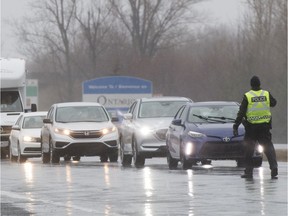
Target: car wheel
{"points": [[172, 163], [21, 158], [113, 157], [54, 157], [12, 157], [240, 162], [67, 158], [185, 164], [257, 162], [139, 160], [76, 158], [126, 160], [206, 162], [45, 156], [103, 158]]}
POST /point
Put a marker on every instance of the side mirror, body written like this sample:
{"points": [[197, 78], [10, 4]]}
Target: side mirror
{"points": [[177, 122], [47, 121], [15, 127], [33, 107], [127, 116], [114, 119]]}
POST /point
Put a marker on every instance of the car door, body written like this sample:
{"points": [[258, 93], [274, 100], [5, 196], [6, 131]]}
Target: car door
{"points": [[14, 135], [172, 134], [126, 125], [45, 131], [178, 130]]}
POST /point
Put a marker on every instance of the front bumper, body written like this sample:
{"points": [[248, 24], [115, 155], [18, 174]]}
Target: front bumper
{"points": [[31, 149], [86, 148]]}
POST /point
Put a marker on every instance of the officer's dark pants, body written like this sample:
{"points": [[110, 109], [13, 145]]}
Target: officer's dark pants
{"points": [[259, 133]]}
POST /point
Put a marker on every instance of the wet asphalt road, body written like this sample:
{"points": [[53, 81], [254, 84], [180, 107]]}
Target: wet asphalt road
{"points": [[89, 188]]}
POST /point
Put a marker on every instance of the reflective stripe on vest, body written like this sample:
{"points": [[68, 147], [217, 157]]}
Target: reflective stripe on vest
{"points": [[258, 110]]}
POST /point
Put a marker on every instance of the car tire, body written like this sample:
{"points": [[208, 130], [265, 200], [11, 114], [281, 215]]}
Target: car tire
{"points": [[139, 160], [185, 164], [12, 157], [21, 158], [172, 163], [206, 162], [54, 157], [76, 158], [45, 156], [113, 157], [257, 162], [240, 162], [103, 158], [126, 160], [67, 158]]}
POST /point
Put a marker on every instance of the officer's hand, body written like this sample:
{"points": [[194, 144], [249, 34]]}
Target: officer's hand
{"points": [[235, 130]]}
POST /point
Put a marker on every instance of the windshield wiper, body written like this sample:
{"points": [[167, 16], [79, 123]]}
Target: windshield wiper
{"points": [[221, 117], [209, 118]]}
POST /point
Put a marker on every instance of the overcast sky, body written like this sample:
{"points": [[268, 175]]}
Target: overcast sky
{"points": [[223, 11]]}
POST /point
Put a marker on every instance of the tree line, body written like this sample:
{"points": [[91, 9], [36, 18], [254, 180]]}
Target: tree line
{"points": [[165, 41]]}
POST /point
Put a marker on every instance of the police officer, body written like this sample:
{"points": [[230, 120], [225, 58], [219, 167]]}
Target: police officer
{"points": [[254, 113]]}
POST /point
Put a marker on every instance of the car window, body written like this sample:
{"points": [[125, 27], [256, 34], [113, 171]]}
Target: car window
{"points": [[155, 109], [132, 108], [179, 112], [183, 113], [81, 114], [33, 122], [19, 120], [50, 113]]}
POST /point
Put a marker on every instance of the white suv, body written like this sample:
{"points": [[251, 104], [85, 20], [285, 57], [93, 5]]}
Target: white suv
{"points": [[143, 129], [78, 129]]}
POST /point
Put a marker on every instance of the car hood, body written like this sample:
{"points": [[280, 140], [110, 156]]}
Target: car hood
{"points": [[155, 123], [215, 129], [85, 125]]}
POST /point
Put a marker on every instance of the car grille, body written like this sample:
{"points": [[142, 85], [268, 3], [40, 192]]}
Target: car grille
{"points": [[221, 149], [86, 134], [5, 130], [32, 150], [161, 134]]}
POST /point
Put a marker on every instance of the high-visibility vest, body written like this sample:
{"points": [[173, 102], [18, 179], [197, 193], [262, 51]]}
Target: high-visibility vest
{"points": [[258, 110]]}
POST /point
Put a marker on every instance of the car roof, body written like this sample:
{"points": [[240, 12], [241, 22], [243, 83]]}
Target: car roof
{"points": [[166, 98], [221, 103], [69, 104], [38, 113]]}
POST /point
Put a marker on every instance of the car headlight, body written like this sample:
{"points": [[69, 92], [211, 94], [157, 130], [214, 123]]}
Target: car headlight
{"points": [[188, 148], [62, 131], [195, 134], [145, 131], [29, 139], [108, 130]]}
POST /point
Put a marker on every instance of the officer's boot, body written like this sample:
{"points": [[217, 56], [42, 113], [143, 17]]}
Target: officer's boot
{"points": [[248, 173], [274, 173]]}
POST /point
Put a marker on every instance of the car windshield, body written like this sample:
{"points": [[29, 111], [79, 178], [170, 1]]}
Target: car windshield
{"points": [[213, 113], [158, 109], [33, 122], [81, 114]]}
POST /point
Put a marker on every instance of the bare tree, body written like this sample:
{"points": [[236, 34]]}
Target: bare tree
{"points": [[96, 25], [153, 24], [51, 31]]}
